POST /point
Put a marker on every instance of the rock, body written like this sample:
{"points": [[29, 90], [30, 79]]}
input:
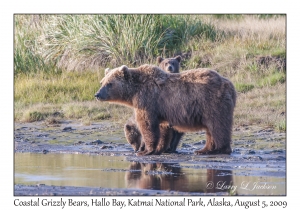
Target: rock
{"points": [[251, 152], [67, 129], [79, 142], [97, 142], [184, 145], [277, 151], [280, 158], [106, 147]]}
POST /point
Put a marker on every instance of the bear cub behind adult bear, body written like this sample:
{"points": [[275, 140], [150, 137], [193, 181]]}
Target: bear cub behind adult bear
{"points": [[198, 99], [171, 65], [131, 130]]}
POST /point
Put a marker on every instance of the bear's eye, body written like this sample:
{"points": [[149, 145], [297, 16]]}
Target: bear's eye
{"points": [[109, 84]]}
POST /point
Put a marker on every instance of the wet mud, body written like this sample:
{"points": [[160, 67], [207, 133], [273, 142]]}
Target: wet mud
{"points": [[73, 159]]}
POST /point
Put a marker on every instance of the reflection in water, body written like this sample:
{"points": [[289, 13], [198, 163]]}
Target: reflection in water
{"points": [[166, 176], [117, 172], [157, 176]]}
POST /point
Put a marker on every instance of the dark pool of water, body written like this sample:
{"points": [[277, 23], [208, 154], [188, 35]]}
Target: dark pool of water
{"points": [[116, 172]]}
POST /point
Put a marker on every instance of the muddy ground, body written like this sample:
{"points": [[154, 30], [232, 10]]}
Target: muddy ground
{"points": [[256, 152]]}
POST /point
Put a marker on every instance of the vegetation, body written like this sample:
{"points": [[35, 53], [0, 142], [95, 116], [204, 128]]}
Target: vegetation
{"points": [[59, 60]]}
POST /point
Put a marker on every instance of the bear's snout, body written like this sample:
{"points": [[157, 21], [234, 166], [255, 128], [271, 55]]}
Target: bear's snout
{"points": [[102, 94], [170, 69]]}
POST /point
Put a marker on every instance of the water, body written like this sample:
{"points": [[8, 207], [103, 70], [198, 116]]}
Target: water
{"points": [[116, 172]]}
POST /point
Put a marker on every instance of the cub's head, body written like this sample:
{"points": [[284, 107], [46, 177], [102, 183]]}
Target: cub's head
{"points": [[113, 85], [133, 136], [170, 65]]}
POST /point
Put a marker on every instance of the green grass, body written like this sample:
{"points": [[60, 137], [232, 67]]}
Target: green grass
{"points": [[59, 61], [243, 88], [59, 87], [272, 79], [281, 126]]}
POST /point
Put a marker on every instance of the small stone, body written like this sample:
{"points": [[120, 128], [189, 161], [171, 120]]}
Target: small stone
{"points": [[97, 142], [251, 152], [67, 129]]}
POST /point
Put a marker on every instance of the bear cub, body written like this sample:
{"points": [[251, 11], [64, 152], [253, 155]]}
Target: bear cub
{"points": [[170, 65]]}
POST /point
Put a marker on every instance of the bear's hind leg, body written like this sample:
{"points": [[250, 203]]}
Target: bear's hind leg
{"points": [[208, 148], [216, 143], [145, 152]]}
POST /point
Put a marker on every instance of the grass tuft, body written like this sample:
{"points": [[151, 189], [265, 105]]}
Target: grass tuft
{"points": [[243, 88]]}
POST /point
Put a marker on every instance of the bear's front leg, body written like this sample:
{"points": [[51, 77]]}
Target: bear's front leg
{"points": [[149, 128]]}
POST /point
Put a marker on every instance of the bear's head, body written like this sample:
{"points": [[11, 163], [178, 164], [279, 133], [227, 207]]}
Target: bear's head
{"points": [[170, 65], [119, 85], [113, 85]]}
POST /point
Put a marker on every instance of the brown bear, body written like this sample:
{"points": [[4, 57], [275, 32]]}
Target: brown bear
{"points": [[132, 133], [190, 101], [170, 65]]}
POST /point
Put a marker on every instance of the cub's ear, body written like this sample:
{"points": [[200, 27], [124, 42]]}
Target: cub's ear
{"points": [[128, 127], [106, 71], [124, 69], [159, 59], [178, 58]]}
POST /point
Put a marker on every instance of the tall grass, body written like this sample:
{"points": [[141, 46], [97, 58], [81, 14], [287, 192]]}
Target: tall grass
{"points": [[80, 42]]}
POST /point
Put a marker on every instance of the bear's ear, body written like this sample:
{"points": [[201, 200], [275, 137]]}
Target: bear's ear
{"points": [[178, 58], [159, 59], [106, 71], [128, 127], [124, 69]]}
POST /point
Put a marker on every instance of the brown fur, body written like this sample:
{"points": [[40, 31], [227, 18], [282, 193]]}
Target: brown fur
{"points": [[168, 140], [168, 137], [190, 101], [132, 133]]}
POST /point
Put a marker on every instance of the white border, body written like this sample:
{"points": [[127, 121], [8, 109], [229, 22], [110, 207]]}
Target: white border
{"points": [[8, 8]]}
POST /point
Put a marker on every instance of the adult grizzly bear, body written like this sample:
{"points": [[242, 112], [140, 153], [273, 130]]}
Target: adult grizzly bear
{"points": [[190, 101], [132, 133]]}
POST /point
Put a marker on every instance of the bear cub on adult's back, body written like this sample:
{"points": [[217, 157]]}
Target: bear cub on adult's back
{"points": [[198, 99]]}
